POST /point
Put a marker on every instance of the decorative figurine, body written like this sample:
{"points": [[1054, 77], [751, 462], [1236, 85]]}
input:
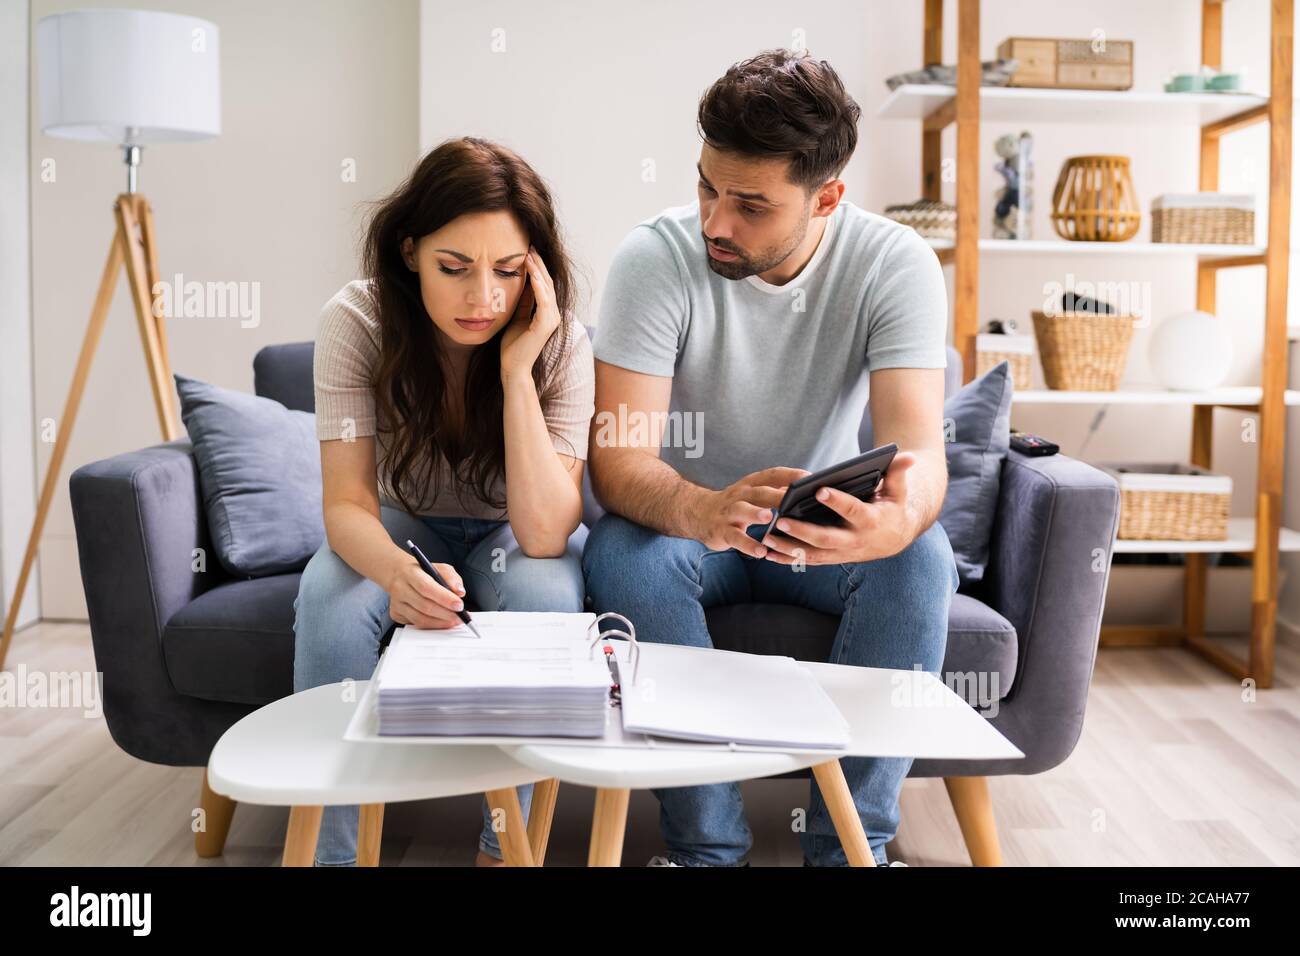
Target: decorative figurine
{"points": [[1015, 199]]}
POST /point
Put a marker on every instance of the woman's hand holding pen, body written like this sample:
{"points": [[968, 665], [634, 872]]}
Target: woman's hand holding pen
{"points": [[536, 318], [415, 598]]}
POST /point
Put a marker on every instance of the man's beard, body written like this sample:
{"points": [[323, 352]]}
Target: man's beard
{"points": [[752, 265]]}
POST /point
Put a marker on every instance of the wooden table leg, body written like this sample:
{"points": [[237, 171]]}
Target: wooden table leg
{"points": [[844, 813], [370, 833], [218, 811], [539, 817], [608, 822], [300, 840], [515, 848]]}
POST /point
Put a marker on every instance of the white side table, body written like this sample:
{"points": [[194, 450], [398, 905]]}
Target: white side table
{"points": [[292, 753], [890, 714]]}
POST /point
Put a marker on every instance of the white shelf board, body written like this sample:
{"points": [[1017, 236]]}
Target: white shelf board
{"points": [[1150, 395], [1241, 537], [1024, 105], [1069, 248]]}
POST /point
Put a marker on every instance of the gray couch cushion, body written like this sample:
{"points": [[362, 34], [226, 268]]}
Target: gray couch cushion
{"points": [[235, 642], [977, 423], [259, 468], [981, 642], [284, 373]]}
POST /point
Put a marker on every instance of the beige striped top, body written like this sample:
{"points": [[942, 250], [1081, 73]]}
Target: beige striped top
{"points": [[347, 351]]}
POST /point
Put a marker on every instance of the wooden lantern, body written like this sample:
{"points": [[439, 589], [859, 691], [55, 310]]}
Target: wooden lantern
{"points": [[1094, 200]]}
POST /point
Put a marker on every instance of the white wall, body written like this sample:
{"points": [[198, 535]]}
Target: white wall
{"points": [[17, 433], [592, 93], [306, 85], [588, 92]]}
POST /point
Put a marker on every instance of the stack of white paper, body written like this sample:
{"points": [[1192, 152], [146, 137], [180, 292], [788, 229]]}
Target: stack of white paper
{"points": [[529, 675]]}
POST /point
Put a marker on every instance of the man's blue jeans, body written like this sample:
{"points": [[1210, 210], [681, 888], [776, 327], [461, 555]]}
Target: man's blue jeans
{"points": [[340, 617], [893, 613]]}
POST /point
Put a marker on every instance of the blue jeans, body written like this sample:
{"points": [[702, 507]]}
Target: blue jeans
{"points": [[340, 617], [893, 613]]}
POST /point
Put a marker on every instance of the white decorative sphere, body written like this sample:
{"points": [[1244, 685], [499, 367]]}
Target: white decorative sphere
{"points": [[1191, 351]]}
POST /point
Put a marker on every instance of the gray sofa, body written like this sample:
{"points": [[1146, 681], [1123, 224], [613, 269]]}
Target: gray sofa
{"points": [[185, 653]]}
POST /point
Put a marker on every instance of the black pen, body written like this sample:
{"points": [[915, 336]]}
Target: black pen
{"points": [[432, 572]]}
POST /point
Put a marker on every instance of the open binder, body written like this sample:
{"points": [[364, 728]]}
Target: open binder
{"points": [[651, 695]]}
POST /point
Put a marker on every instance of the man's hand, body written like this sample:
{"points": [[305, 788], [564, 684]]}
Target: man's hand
{"points": [[878, 528], [722, 516]]}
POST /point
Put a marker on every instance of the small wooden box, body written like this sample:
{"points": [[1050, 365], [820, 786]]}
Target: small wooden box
{"points": [[1069, 64]]}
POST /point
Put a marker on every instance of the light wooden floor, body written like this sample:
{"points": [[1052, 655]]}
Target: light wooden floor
{"points": [[1173, 768]]}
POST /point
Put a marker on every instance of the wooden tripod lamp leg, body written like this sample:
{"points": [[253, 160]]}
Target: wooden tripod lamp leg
{"points": [[149, 239], [137, 277], [98, 314]]}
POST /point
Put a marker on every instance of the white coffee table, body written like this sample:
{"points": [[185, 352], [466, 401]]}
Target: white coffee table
{"points": [[292, 753], [890, 714]]}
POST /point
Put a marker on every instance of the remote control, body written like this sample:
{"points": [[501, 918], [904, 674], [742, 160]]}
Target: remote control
{"points": [[1028, 444]]}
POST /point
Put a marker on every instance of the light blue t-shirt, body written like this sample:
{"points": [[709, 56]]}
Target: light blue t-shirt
{"points": [[768, 374]]}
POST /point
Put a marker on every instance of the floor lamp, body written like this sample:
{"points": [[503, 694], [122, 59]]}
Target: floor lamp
{"points": [[128, 78]]}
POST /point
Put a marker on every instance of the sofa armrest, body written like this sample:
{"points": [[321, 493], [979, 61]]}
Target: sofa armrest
{"points": [[139, 519], [1049, 565]]}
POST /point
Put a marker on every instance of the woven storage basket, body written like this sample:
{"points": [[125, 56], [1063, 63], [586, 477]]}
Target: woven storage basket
{"points": [[1081, 351], [1016, 350], [1094, 200], [1203, 217], [1160, 502], [931, 218]]}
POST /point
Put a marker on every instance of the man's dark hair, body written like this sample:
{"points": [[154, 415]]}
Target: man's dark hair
{"points": [[783, 104]]}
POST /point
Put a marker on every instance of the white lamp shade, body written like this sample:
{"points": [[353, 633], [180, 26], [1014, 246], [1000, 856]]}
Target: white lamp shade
{"points": [[128, 77]]}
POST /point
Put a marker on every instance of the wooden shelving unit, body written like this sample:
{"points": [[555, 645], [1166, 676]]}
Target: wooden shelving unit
{"points": [[1216, 115]]}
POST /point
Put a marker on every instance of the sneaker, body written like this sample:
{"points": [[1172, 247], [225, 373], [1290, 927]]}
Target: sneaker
{"points": [[664, 861], [890, 863]]}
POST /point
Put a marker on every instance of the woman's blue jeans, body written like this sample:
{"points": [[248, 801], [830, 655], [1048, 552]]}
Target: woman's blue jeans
{"points": [[340, 617]]}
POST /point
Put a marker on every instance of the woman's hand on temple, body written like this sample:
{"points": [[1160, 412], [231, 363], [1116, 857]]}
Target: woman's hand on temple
{"points": [[536, 318]]}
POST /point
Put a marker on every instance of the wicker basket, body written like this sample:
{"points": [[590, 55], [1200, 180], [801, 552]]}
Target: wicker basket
{"points": [[1094, 200], [1161, 502], [1203, 217], [1016, 350], [931, 218], [1082, 351]]}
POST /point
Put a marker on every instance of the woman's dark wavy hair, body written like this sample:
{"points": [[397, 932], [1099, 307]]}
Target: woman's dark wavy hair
{"points": [[458, 177]]}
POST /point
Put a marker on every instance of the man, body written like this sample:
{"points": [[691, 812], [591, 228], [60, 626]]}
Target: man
{"points": [[766, 310]]}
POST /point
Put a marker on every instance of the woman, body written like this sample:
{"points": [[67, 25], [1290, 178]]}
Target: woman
{"points": [[454, 390]]}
